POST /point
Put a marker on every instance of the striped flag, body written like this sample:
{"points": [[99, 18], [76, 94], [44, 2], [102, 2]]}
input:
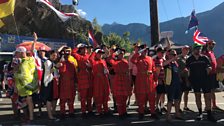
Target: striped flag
{"points": [[63, 16], [200, 38], [92, 39], [193, 22]]}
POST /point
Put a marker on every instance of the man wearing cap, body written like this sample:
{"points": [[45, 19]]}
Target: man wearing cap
{"points": [[26, 79], [160, 88], [121, 87], [68, 79], [145, 81], [101, 87], [209, 47], [199, 68], [185, 85], [84, 78]]}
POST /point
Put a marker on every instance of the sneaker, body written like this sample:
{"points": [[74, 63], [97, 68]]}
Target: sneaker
{"points": [[199, 117], [211, 118], [163, 110], [186, 109]]}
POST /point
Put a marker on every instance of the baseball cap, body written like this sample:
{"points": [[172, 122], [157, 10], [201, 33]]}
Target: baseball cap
{"points": [[21, 49], [195, 45]]}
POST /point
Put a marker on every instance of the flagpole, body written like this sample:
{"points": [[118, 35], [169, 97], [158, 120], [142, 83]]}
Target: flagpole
{"points": [[17, 31]]}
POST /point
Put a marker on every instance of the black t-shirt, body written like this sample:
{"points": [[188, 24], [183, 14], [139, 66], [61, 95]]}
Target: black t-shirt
{"points": [[197, 68]]}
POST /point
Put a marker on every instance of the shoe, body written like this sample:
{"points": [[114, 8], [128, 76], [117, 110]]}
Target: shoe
{"points": [[90, 113], [141, 116], [147, 111], [179, 118], [199, 117], [54, 119], [71, 115], [154, 116], [211, 118], [186, 109], [163, 110], [180, 111]]}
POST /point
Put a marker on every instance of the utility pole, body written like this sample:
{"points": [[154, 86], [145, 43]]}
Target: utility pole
{"points": [[154, 22]]}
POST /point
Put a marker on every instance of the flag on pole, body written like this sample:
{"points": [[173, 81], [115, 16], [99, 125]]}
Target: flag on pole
{"points": [[193, 22], [1, 23], [6, 7], [63, 16], [92, 39], [200, 38]]}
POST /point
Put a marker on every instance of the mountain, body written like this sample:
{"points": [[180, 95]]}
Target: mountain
{"points": [[31, 16], [211, 23]]}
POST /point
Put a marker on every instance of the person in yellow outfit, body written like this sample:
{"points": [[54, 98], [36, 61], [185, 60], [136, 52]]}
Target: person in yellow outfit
{"points": [[26, 78]]}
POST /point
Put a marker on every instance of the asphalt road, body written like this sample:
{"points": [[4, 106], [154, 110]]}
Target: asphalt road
{"points": [[7, 118]]}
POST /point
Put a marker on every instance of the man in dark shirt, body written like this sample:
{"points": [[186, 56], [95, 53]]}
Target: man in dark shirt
{"points": [[199, 67]]}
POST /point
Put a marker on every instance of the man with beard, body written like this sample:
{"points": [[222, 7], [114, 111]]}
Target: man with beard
{"points": [[199, 68]]}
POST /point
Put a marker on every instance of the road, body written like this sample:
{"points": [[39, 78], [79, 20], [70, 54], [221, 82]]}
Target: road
{"points": [[7, 118]]}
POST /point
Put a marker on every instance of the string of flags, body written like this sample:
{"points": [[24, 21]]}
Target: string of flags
{"points": [[63, 16]]}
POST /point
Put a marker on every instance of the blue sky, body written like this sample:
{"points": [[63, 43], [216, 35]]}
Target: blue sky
{"points": [[137, 11]]}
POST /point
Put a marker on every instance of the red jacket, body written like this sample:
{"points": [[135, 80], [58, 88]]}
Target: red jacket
{"points": [[100, 77], [84, 71], [122, 82], [67, 80], [145, 77]]}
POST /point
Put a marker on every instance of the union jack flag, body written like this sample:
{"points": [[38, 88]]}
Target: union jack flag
{"points": [[200, 38]]}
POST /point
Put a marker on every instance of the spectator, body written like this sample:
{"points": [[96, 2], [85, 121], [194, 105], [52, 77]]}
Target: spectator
{"points": [[173, 88], [199, 68], [26, 79], [185, 84]]}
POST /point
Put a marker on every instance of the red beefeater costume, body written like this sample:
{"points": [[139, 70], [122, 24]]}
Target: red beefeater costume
{"points": [[67, 86], [101, 87], [145, 86], [121, 87], [84, 80]]}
